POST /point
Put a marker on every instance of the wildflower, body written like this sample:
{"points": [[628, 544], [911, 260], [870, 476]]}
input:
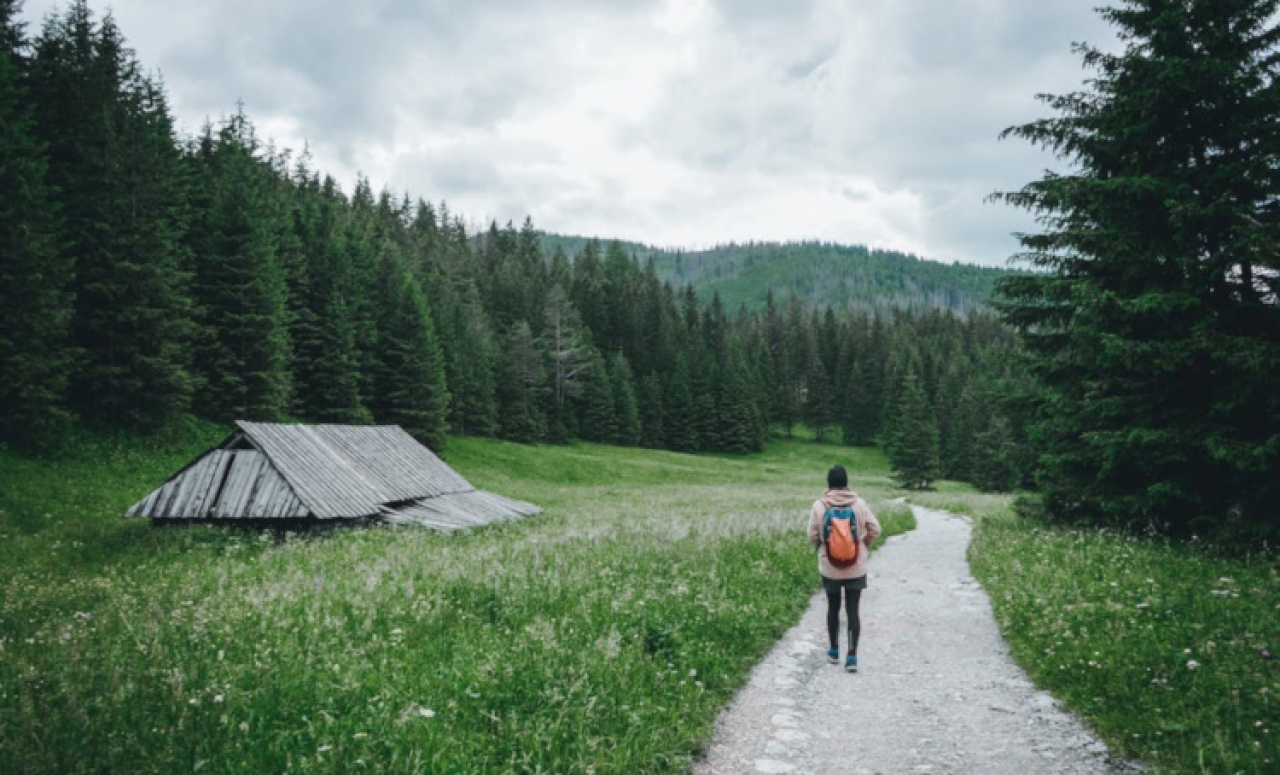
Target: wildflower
{"points": [[244, 726], [324, 749], [359, 735], [426, 712], [1192, 664], [217, 699]]}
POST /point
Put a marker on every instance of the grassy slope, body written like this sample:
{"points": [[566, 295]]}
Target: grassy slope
{"points": [[602, 636], [1164, 649]]}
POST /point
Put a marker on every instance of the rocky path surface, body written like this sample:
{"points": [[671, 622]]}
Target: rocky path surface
{"points": [[937, 691]]}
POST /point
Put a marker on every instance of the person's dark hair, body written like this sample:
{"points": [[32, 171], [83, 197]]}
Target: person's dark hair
{"points": [[837, 478]]}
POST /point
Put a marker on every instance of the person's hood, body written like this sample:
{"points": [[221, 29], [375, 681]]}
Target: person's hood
{"points": [[841, 497]]}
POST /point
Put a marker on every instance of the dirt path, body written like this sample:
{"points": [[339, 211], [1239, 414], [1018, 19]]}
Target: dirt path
{"points": [[937, 691]]}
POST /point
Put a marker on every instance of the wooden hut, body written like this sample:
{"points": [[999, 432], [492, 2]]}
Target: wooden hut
{"points": [[290, 475]]}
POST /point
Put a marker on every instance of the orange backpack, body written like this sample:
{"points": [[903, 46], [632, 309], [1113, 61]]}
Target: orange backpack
{"points": [[840, 535]]}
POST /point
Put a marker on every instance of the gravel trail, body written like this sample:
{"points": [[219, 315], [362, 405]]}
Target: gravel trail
{"points": [[937, 691]]}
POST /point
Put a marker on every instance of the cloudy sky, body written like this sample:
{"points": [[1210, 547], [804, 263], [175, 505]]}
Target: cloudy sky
{"points": [[680, 123]]}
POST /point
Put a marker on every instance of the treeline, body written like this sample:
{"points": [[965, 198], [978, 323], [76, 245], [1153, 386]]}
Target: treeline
{"points": [[849, 278], [148, 276]]}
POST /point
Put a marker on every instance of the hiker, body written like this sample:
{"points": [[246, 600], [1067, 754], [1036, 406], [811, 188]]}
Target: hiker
{"points": [[842, 525]]}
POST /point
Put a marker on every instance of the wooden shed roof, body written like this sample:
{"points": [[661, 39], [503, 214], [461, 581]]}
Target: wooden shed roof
{"points": [[275, 471]]}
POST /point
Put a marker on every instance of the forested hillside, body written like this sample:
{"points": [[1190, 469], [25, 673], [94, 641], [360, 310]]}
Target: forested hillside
{"points": [[150, 275], [849, 278]]}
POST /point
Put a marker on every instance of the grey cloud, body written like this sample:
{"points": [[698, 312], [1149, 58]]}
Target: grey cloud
{"points": [[909, 95]]}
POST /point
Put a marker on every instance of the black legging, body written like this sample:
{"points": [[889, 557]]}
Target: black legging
{"points": [[851, 598]]}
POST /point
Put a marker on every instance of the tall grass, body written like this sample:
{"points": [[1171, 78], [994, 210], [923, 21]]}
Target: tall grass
{"points": [[602, 636], [1167, 650]]}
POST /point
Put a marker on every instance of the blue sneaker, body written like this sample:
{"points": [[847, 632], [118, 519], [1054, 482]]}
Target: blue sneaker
{"points": [[851, 664], [833, 656]]}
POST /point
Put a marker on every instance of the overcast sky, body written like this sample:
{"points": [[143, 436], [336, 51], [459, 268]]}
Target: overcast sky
{"points": [[680, 123]]}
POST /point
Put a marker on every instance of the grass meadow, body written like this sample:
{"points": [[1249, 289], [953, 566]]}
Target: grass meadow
{"points": [[1167, 650], [603, 636]]}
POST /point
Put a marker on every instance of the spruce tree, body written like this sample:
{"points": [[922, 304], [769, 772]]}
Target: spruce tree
{"points": [[114, 160], [739, 423], [994, 465], [627, 430], [243, 347], [35, 273], [599, 420], [1153, 328], [334, 396], [680, 419], [819, 397], [522, 388], [653, 412], [471, 355], [569, 351], [914, 452], [409, 374]]}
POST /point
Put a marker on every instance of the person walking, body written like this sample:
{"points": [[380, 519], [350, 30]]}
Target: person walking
{"points": [[841, 524]]}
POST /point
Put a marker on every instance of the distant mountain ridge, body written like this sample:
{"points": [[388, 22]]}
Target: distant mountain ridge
{"points": [[847, 277]]}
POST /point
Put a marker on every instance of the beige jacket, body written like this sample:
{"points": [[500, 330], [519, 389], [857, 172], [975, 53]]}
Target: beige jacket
{"points": [[868, 530]]}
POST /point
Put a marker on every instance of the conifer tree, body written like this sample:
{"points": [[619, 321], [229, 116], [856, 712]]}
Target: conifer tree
{"points": [[409, 375], [587, 290], [470, 369], [914, 452], [243, 348], [994, 457], [626, 431], [35, 273], [334, 395], [739, 424], [794, 365], [599, 420], [1154, 330], [114, 160], [523, 387], [569, 351], [967, 419], [819, 398], [653, 412], [681, 422]]}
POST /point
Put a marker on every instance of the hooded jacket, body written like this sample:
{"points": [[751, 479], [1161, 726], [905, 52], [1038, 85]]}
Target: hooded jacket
{"points": [[868, 531]]}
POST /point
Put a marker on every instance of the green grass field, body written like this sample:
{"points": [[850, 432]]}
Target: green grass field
{"points": [[602, 636]]}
